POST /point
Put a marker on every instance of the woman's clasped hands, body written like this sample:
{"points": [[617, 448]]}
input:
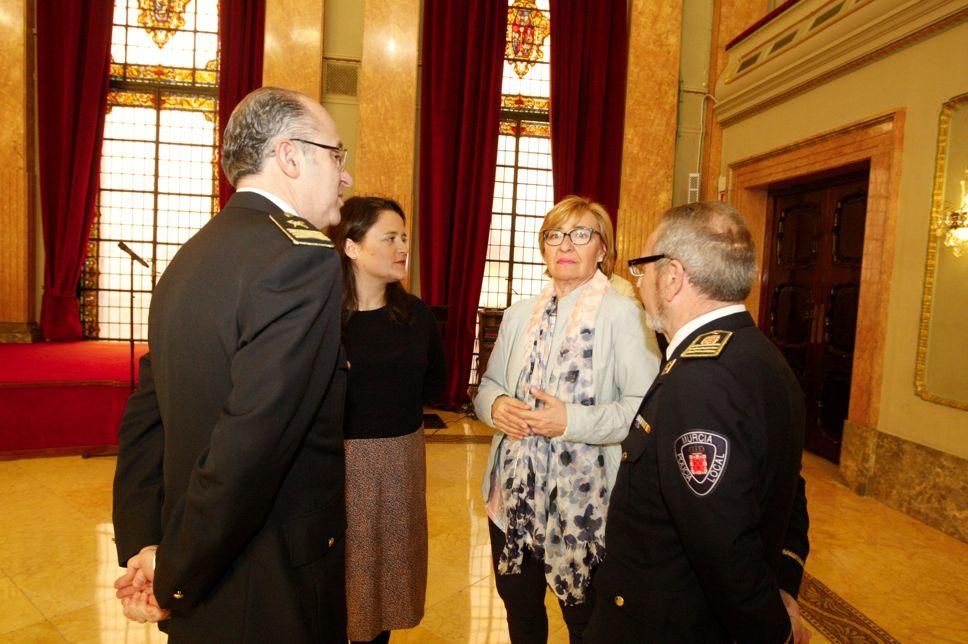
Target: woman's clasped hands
{"points": [[516, 419]]}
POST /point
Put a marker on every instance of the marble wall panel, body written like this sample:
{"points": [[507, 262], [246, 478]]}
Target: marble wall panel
{"points": [[857, 454], [651, 112], [16, 176], [920, 481], [927, 484], [388, 99], [388, 102], [293, 54]]}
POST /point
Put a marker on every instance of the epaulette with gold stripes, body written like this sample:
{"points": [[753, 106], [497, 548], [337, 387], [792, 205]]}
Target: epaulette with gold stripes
{"points": [[299, 231], [707, 345]]}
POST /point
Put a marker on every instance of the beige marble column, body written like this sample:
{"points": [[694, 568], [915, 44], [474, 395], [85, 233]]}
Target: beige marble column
{"points": [[651, 108], [388, 102], [293, 56], [17, 180], [730, 18]]}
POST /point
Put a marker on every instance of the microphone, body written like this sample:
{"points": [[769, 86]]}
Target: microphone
{"points": [[132, 254]]}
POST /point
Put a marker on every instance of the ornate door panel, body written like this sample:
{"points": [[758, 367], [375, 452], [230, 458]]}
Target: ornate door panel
{"points": [[811, 287]]}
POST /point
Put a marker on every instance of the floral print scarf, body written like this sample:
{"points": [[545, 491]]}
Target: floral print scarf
{"points": [[555, 492]]}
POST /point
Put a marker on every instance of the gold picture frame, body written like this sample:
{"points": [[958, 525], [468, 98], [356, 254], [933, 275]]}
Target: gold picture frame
{"points": [[945, 175]]}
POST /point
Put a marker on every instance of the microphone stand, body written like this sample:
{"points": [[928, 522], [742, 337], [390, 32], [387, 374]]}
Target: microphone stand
{"points": [[134, 257]]}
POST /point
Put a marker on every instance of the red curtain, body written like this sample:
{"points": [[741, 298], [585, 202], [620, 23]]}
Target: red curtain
{"points": [[73, 55], [463, 45], [241, 25], [589, 60]]}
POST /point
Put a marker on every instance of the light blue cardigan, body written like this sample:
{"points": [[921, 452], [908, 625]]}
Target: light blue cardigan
{"points": [[625, 362]]}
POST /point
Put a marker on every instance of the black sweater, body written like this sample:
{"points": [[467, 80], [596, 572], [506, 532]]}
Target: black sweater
{"points": [[394, 369]]}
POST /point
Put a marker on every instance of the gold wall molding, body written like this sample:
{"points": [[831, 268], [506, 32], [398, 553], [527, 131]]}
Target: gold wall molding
{"points": [[931, 263], [859, 32], [878, 141], [919, 481], [651, 115]]}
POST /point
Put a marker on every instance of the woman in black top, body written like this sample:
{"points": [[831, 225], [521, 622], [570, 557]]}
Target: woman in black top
{"points": [[396, 365]]}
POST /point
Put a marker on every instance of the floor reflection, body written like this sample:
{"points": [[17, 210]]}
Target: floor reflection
{"points": [[57, 556]]}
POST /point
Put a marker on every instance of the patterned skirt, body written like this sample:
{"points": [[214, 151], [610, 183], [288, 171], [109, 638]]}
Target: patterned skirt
{"points": [[386, 535]]}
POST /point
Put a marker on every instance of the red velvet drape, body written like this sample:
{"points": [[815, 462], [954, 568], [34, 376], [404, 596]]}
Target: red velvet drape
{"points": [[463, 45], [589, 60], [241, 25], [73, 57]]}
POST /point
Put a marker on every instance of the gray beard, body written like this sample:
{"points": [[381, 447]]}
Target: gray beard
{"points": [[656, 322]]}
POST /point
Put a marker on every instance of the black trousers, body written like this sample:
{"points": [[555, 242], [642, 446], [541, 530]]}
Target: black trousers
{"points": [[523, 595]]}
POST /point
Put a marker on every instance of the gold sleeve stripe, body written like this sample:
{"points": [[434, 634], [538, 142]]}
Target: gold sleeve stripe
{"points": [[792, 555]]}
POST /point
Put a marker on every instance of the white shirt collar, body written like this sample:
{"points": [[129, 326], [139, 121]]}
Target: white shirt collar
{"points": [[279, 201], [702, 320]]}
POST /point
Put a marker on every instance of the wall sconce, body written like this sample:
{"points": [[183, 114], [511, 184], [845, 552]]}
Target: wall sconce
{"points": [[954, 225]]}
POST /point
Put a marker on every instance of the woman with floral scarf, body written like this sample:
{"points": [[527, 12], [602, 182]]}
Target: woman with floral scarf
{"points": [[562, 385]]}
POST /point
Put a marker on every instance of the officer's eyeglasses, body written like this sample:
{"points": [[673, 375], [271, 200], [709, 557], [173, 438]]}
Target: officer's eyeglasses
{"points": [[338, 151], [578, 236], [637, 266]]}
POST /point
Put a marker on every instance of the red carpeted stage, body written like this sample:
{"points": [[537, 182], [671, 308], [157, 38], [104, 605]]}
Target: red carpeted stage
{"points": [[60, 397]]}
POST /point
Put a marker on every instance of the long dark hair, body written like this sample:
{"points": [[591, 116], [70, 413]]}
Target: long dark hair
{"points": [[357, 216]]}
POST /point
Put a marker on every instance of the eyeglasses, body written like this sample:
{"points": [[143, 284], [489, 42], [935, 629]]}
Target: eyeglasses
{"points": [[338, 151], [578, 236], [637, 266]]}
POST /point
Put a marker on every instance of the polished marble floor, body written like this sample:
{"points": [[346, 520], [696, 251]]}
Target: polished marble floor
{"points": [[57, 560]]}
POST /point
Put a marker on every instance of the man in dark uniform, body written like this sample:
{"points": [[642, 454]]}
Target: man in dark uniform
{"points": [[228, 495], [707, 523]]}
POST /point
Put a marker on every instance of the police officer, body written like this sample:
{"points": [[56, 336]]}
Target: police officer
{"points": [[707, 524], [228, 495]]}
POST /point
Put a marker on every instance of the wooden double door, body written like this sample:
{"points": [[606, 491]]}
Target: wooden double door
{"points": [[811, 288]]}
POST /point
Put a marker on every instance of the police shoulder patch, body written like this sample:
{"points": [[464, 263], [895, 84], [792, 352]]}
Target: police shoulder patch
{"points": [[707, 345], [299, 231], [702, 457]]}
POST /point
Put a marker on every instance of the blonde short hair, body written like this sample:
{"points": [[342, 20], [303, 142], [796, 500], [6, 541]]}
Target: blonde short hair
{"points": [[573, 207]]}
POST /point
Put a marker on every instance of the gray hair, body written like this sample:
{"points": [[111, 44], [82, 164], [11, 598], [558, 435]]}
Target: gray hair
{"points": [[713, 244], [260, 117]]}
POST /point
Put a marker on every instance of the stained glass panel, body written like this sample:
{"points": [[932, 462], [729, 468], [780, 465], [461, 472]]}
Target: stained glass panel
{"points": [[527, 30], [170, 40], [158, 166]]}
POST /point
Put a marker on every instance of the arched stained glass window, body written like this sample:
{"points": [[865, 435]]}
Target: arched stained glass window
{"points": [[523, 187], [159, 178]]}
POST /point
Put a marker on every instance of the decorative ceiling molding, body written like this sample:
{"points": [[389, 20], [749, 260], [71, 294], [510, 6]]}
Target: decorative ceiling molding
{"points": [[817, 40]]}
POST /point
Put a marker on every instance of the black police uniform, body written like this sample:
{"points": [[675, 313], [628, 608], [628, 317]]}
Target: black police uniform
{"points": [[707, 520], [232, 448]]}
